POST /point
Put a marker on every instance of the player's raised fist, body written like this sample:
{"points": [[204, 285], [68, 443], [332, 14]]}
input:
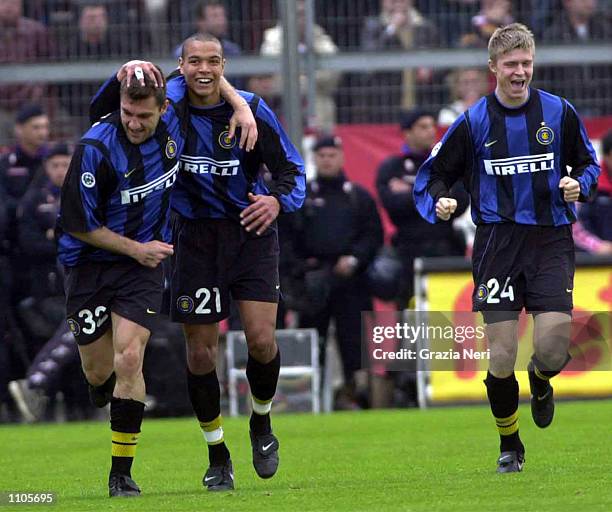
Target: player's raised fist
{"points": [[571, 189], [445, 207]]}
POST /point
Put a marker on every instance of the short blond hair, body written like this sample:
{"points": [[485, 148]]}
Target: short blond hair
{"points": [[508, 38]]}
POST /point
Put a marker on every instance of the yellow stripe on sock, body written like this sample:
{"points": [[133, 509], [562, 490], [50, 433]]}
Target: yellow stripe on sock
{"points": [[261, 402], [124, 444], [504, 422], [540, 375], [125, 437], [511, 429], [509, 425], [209, 426]]}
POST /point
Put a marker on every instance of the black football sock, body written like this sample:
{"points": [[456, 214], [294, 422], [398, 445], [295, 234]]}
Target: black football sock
{"points": [[125, 419], [503, 397], [263, 378], [205, 397]]}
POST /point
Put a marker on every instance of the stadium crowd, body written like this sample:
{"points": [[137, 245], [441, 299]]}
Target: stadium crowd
{"points": [[328, 247]]}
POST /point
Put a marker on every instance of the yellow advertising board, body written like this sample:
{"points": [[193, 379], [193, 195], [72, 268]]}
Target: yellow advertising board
{"points": [[588, 374]]}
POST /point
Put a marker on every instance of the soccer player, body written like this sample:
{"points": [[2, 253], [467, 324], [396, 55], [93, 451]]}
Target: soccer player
{"points": [[225, 240], [512, 149], [114, 232], [115, 209]]}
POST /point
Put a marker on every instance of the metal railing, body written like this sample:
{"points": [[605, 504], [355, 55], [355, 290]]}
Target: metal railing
{"points": [[366, 86]]}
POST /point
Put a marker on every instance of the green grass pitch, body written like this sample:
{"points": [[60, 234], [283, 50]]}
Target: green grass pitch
{"points": [[438, 459]]}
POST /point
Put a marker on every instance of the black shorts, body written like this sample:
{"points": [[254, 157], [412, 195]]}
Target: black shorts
{"points": [[518, 266], [214, 258], [127, 288]]}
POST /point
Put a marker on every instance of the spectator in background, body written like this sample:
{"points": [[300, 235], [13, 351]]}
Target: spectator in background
{"points": [[579, 23], [492, 14], [466, 86], [211, 18], [326, 79], [265, 86], [452, 18], [395, 181], [593, 232], [22, 40], [5, 319], [93, 39], [17, 168], [399, 26], [43, 310], [335, 236]]}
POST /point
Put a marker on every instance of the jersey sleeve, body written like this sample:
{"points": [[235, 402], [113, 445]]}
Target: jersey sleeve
{"points": [[282, 160], [106, 100], [84, 191], [448, 162], [579, 154]]}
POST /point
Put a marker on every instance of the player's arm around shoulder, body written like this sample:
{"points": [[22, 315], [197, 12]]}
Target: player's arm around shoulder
{"points": [[242, 118]]}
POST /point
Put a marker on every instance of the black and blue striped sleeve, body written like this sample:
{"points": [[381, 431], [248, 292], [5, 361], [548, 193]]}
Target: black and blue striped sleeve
{"points": [[579, 154], [84, 191], [106, 100], [282, 160], [448, 162]]}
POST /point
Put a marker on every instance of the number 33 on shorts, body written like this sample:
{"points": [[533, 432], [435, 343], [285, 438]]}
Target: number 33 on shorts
{"points": [[490, 292]]}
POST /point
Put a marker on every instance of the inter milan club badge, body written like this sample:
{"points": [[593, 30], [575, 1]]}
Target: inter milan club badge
{"points": [[225, 141], [74, 327], [185, 304], [170, 149], [482, 292], [545, 136]]}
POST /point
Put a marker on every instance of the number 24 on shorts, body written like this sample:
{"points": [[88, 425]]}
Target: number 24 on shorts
{"points": [[489, 291]]}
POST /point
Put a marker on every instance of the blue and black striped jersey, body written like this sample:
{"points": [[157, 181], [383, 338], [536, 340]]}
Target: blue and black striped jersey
{"points": [[511, 162], [122, 186], [216, 175]]}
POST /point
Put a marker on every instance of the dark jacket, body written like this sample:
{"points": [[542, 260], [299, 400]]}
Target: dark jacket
{"points": [[414, 234], [36, 220], [338, 218], [596, 216]]}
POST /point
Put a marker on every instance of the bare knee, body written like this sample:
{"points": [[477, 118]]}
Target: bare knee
{"points": [[260, 339], [128, 362], [201, 358], [553, 358], [96, 375], [202, 342], [501, 364]]}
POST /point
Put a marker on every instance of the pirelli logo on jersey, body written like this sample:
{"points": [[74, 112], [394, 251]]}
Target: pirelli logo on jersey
{"points": [[136, 194], [205, 165], [520, 164]]}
